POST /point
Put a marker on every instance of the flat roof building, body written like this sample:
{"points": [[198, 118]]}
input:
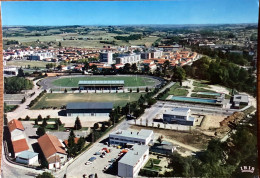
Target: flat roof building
{"points": [[101, 84], [89, 108], [125, 137], [238, 100], [178, 116], [27, 157], [133, 161]]}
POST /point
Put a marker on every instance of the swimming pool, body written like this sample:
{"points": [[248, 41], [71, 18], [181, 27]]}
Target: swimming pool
{"points": [[208, 93], [197, 100]]}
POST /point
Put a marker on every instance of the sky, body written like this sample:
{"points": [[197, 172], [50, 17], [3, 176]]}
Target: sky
{"points": [[129, 12]]}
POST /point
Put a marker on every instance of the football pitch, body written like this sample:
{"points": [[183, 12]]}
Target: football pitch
{"points": [[61, 99], [130, 81]]}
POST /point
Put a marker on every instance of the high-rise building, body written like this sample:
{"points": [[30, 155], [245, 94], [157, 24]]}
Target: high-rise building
{"points": [[106, 57]]}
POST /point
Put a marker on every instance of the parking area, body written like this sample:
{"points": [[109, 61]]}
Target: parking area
{"points": [[98, 165]]}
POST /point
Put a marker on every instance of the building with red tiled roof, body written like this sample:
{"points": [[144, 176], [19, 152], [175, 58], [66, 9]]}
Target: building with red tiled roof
{"points": [[16, 129], [52, 147], [19, 146]]}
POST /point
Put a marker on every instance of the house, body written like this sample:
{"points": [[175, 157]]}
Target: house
{"points": [[238, 100], [89, 109], [166, 148], [16, 129], [125, 137], [53, 150], [133, 161], [27, 157], [178, 116], [19, 146]]}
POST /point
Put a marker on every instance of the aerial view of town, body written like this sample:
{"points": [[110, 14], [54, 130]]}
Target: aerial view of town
{"points": [[130, 89]]}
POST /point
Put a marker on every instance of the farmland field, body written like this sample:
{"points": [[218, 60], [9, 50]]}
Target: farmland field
{"points": [[60, 99], [25, 63], [130, 81]]}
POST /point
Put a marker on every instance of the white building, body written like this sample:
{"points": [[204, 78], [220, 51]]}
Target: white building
{"points": [[53, 150], [133, 161], [40, 56], [156, 54], [27, 157], [178, 116], [16, 129], [10, 71], [131, 59], [106, 57], [125, 137]]}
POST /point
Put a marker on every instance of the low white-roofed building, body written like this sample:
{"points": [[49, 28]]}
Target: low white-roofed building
{"points": [[178, 116], [133, 161], [240, 99], [27, 157], [125, 137]]}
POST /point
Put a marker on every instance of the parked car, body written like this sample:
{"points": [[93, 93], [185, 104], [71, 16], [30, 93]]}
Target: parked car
{"points": [[103, 156], [97, 153], [88, 162], [92, 159], [112, 160]]}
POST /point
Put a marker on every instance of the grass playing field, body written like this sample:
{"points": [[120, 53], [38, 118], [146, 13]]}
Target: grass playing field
{"points": [[60, 99], [130, 81]]}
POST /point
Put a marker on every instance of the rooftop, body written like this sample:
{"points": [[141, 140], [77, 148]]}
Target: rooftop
{"points": [[99, 82], [241, 98], [143, 134], [27, 154], [178, 111], [134, 154], [50, 145], [20, 145], [15, 124], [90, 105]]}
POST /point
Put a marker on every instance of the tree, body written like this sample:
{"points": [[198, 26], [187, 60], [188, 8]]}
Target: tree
{"points": [[96, 126], [103, 127], [131, 90], [77, 125], [81, 143], [72, 134], [179, 74], [146, 89], [13, 85], [45, 175], [44, 123], [35, 122], [158, 125], [134, 67], [40, 131], [160, 139], [137, 90], [20, 72], [59, 44], [59, 122], [39, 118], [27, 118], [65, 91]]}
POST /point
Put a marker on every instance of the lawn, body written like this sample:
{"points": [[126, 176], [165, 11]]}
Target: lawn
{"points": [[198, 89], [51, 127], [200, 84], [60, 99], [25, 63], [176, 90], [154, 167], [130, 81]]}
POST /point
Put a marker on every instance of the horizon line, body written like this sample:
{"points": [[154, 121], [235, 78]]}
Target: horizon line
{"points": [[244, 23]]}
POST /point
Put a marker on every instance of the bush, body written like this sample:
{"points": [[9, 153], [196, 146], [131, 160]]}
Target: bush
{"points": [[27, 118]]}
